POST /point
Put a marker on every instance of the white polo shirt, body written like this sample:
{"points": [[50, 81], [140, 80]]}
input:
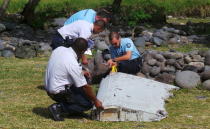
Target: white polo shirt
{"points": [[80, 28], [63, 68]]}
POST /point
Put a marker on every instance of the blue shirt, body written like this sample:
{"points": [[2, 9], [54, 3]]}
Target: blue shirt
{"points": [[87, 15], [126, 44]]}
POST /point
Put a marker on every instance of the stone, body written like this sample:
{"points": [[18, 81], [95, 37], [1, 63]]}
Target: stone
{"points": [[152, 62], [26, 50], [140, 44], [159, 57], [132, 98], [174, 40], [178, 66], [207, 60], [205, 75], [173, 55], [187, 59], [2, 27], [206, 85], [2, 45], [59, 22], [187, 79], [146, 68], [198, 65], [101, 45], [207, 68], [197, 58], [166, 78], [7, 53], [190, 68], [164, 35], [155, 71], [147, 35], [170, 62], [184, 40], [158, 41], [168, 68]]}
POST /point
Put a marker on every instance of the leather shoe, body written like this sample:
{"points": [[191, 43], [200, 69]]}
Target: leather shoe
{"points": [[55, 110]]}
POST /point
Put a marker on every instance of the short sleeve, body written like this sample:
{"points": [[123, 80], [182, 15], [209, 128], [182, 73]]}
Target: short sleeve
{"points": [[128, 45], [77, 75]]}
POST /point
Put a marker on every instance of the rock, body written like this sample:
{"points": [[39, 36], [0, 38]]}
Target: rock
{"points": [[26, 50], [2, 45], [184, 40], [190, 68], [10, 25], [178, 66], [44, 48], [140, 42], [205, 75], [169, 68], [198, 65], [139, 74], [59, 22], [174, 40], [166, 78], [2, 27], [158, 41], [187, 79], [146, 68], [155, 71], [164, 35], [188, 59], [206, 85], [197, 58], [159, 57], [170, 62], [207, 68], [173, 55], [147, 35], [100, 64], [207, 60], [101, 45], [152, 62], [7, 53]]}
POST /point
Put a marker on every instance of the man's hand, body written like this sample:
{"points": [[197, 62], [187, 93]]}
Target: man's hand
{"points": [[111, 63], [98, 104], [87, 74]]}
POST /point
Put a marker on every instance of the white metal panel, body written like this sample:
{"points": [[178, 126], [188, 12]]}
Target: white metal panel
{"points": [[139, 97]]}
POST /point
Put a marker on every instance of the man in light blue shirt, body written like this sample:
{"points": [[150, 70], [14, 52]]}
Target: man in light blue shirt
{"points": [[89, 15], [124, 54]]}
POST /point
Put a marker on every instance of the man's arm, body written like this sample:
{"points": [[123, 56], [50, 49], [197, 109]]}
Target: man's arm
{"points": [[127, 56], [89, 92]]}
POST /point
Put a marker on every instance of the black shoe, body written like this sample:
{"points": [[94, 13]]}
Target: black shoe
{"points": [[55, 110]]}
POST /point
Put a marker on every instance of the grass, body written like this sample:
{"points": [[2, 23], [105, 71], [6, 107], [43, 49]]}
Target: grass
{"points": [[185, 20], [182, 47], [23, 103]]}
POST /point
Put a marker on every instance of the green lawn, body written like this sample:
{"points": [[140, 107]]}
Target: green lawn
{"points": [[23, 103]]}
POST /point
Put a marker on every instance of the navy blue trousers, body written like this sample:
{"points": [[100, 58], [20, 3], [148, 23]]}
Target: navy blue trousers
{"points": [[73, 100]]}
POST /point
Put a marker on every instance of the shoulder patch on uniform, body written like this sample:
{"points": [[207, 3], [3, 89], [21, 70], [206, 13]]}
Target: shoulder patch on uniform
{"points": [[128, 45]]}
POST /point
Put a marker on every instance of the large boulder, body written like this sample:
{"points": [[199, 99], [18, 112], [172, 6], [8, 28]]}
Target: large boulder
{"points": [[187, 79], [7, 53], [166, 78], [140, 44], [205, 75]]}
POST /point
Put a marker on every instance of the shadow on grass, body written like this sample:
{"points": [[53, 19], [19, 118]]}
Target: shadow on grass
{"points": [[42, 112], [41, 87]]}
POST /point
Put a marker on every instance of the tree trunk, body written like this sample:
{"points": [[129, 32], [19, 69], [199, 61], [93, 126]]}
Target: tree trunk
{"points": [[28, 11], [116, 5], [3, 8]]}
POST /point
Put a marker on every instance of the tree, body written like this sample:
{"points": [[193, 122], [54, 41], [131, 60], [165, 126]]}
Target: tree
{"points": [[3, 8], [116, 5], [28, 11]]}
